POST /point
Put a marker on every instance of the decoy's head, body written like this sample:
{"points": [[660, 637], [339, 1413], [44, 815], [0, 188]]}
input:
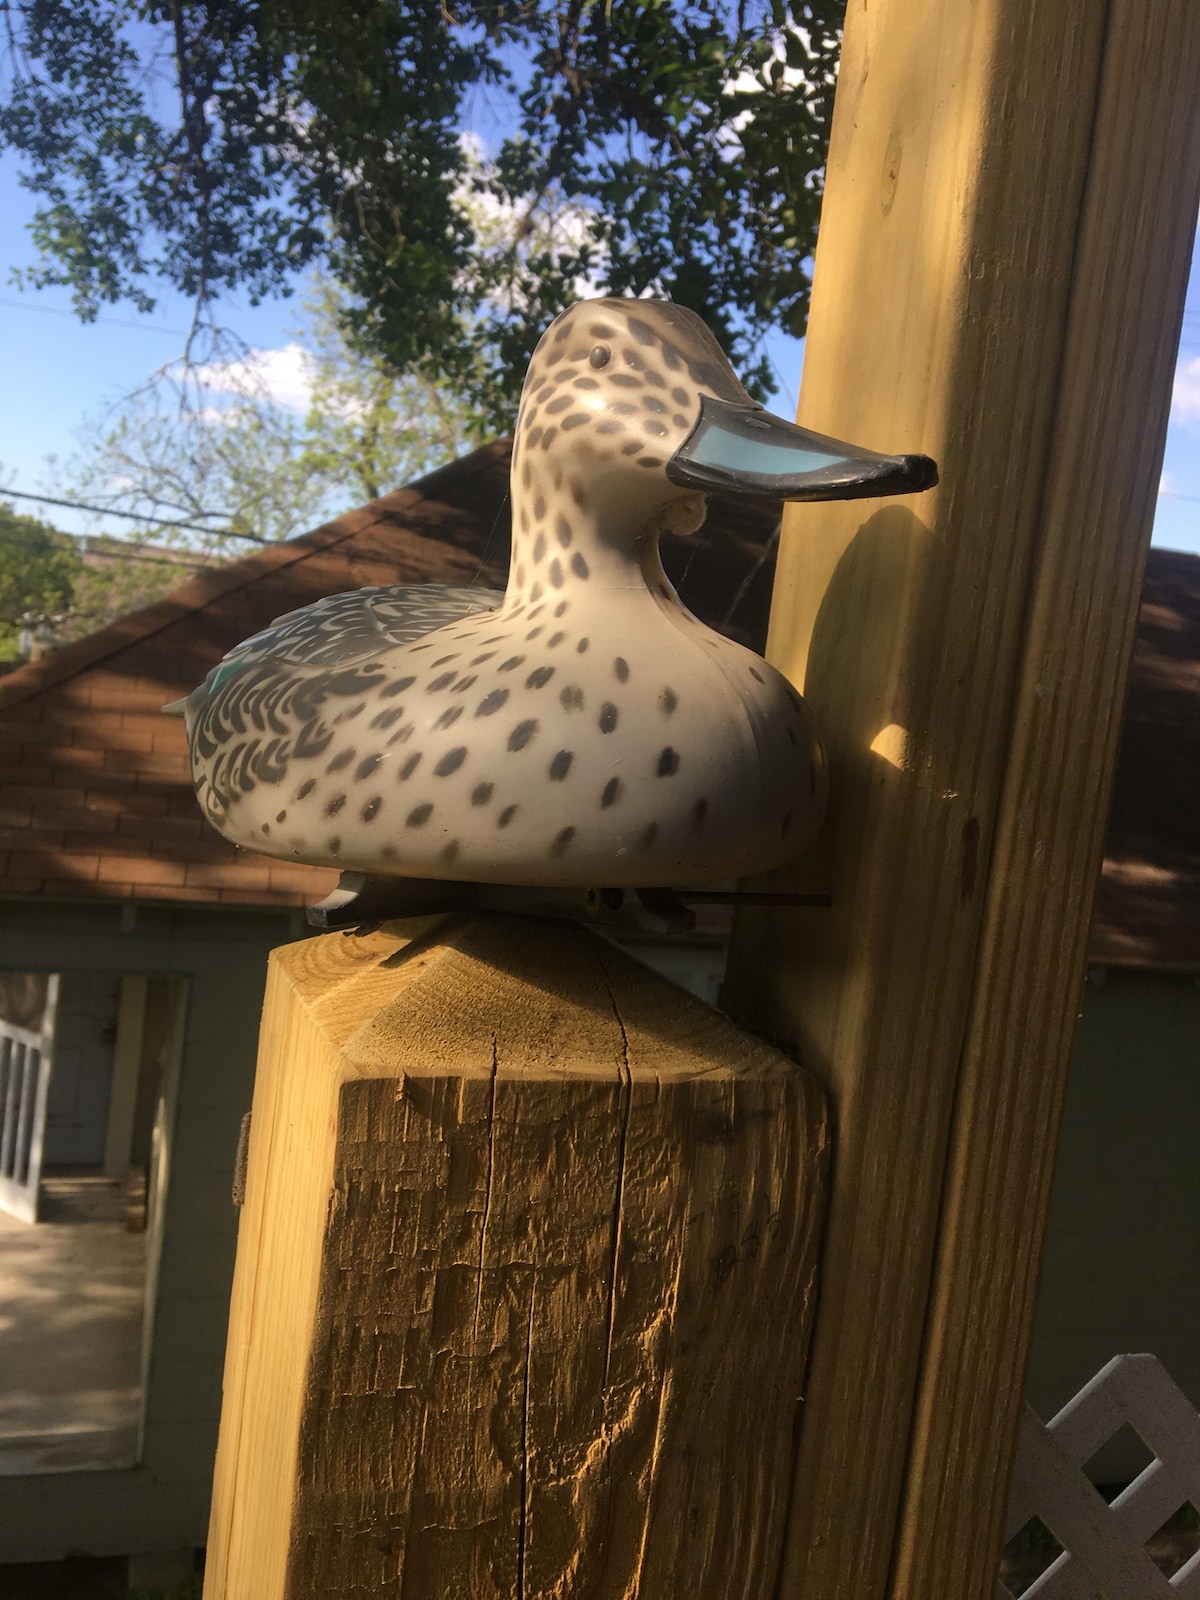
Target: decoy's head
{"points": [[640, 396]]}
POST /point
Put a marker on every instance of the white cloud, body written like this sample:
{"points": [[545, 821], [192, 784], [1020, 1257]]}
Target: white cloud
{"points": [[747, 82], [552, 223], [474, 148], [285, 377], [1166, 484], [1185, 397]]}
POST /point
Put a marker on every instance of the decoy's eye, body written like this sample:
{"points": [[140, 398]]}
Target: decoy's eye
{"points": [[601, 355]]}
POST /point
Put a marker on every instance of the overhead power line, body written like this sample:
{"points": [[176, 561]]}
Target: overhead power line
{"points": [[134, 516], [112, 322]]}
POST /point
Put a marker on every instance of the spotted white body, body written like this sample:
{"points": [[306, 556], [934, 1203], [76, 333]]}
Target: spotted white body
{"points": [[582, 730]]}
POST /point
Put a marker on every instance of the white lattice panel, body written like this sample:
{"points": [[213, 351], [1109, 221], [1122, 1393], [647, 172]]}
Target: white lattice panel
{"points": [[1104, 1545]]}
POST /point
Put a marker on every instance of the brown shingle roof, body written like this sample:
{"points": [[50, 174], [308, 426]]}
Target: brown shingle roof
{"points": [[95, 793]]}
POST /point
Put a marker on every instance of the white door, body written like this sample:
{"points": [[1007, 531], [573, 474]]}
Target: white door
{"points": [[85, 1029], [26, 1058]]}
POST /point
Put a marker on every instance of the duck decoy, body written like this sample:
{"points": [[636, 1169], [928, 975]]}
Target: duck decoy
{"points": [[582, 729]]}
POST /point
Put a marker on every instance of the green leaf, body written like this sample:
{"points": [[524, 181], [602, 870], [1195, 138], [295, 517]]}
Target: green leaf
{"points": [[660, 147]]}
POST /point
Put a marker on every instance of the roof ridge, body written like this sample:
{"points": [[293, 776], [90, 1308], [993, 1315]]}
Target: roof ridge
{"points": [[206, 586]]}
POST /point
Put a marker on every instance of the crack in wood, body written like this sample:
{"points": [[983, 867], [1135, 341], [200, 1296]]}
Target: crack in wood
{"points": [[487, 1190], [626, 1106], [499, 1364], [523, 1523]]}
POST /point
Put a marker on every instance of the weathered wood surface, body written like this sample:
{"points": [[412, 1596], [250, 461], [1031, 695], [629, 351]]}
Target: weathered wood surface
{"points": [[1012, 189], [524, 1280]]}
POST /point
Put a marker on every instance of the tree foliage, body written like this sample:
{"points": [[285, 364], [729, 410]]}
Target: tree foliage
{"points": [[244, 465], [371, 426], [239, 464], [117, 576], [664, 147], [55, 588], [39, 569]]}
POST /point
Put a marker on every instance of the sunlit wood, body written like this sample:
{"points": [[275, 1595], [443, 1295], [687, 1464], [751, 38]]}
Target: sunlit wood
{"points": [[1012, 192]]}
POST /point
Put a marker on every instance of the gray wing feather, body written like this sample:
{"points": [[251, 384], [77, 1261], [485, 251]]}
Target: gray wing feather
{"points": [[347, 627]]}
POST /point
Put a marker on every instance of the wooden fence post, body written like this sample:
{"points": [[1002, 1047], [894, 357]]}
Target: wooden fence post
{"points": [[1012, 192], [524, 1276]]}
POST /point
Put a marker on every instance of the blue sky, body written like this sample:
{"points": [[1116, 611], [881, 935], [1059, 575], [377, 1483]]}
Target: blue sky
{"points": [[59, 372]]}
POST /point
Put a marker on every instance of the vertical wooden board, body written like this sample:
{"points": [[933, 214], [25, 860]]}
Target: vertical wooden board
{"points": [[274, 1290], [1131, 269], [968, 147]]}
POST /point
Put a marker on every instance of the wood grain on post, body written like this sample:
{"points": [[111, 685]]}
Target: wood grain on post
{"points": [[1012, 192], [524, 1280]]}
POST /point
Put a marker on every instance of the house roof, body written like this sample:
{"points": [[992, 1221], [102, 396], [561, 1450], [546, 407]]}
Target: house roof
{"points": [[95, 790]]}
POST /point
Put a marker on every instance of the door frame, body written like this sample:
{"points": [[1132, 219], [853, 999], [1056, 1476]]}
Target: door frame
{"points": [[26, 1064]]}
